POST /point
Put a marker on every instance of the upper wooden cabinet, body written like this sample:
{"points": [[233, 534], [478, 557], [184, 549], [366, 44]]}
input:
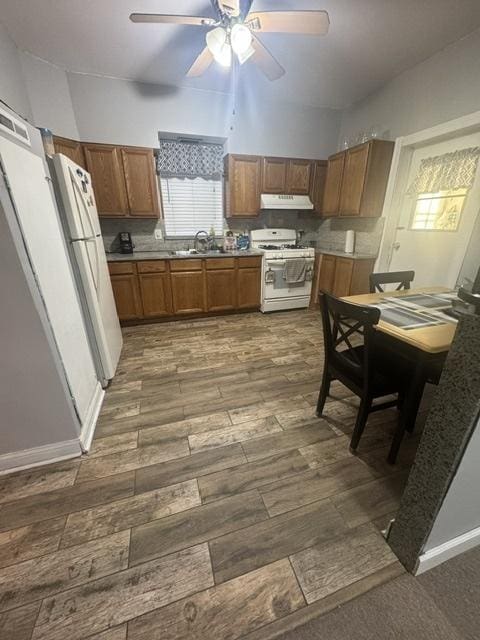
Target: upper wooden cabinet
{"points": [[70, 148], [299, 177], [140, 181], [333, 184], [317, 187], [287, 176], [104, 163], [274, 175], [243, 181], [247, 177], [357, 180], [123, 180]]}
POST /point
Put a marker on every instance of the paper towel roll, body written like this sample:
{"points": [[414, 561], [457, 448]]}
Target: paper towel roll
{"points": [[350, 241]]}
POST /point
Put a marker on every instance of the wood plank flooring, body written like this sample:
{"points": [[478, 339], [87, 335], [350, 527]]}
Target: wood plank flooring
{"points": [[213, 504]]}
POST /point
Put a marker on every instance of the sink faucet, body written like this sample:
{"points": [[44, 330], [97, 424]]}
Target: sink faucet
{"points": [[201, 244]]}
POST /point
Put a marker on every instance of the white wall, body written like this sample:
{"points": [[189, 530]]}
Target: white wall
{"points": [[49, 96], [130, 113], [460, 511], [444, 87], [13, 90]]}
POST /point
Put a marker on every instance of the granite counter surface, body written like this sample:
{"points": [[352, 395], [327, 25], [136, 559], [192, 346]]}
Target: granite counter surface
{"points": [[342, 254], [166, 255]]}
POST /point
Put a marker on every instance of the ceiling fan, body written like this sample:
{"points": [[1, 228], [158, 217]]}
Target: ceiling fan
{"points": [[235, 32]]}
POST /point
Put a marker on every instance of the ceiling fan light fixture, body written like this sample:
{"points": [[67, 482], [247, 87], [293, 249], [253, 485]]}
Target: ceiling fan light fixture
{"points": [[216, 38], [219, 45], [243, 57], [241, 39], [224, 57]]}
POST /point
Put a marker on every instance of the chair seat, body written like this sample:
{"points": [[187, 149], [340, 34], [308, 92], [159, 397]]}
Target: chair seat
{"points": [[390, 376]]}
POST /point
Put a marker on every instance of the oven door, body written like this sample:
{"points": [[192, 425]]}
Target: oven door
{"points": [[275, 286]]}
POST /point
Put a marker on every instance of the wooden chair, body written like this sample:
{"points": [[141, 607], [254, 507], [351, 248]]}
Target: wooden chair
{"points": [[402, 278], [358, 366]]}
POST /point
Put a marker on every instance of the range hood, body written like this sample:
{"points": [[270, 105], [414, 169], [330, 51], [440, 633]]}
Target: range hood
{"points": [[275, 201]]}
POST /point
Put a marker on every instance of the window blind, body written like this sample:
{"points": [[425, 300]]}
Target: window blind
{"points": [[191, 205]]}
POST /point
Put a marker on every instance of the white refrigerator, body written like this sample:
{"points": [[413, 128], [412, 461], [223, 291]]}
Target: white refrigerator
{"points": [[83, 234], [50, 393]]}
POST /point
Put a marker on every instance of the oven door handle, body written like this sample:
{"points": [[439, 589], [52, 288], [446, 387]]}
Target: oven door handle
{"points": [[276, 263]]}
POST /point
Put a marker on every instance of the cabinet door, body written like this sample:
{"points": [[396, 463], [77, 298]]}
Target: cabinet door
{"points": [[248, 288], [333, 184], [326, 274], [127, 296], [141, 182], [70, 148], [274, 175], [244, 183], [343, 277], [299, 177], [156, 294], [354, 174], [318, 185], [221, 290], [104, 164], [188, 292]]}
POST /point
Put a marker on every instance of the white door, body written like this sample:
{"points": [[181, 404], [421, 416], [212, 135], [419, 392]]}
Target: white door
{"points": [[436, 255], [85, 235], [44, 241]]}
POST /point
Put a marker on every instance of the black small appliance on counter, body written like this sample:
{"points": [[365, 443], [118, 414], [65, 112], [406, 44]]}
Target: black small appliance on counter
{"points": [[125, 241]]}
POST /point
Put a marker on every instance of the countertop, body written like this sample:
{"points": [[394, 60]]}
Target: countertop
{"points": [[354, 256], [168, 255]]}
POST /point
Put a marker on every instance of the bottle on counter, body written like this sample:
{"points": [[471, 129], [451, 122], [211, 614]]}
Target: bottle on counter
{"points": [[229, 241]]}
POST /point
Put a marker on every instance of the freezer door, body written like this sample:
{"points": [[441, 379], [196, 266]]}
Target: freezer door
{"points": [[85, 235]]}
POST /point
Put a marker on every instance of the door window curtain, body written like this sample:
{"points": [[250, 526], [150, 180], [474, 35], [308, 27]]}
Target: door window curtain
{"points": [[190, 160], [448, 172]]}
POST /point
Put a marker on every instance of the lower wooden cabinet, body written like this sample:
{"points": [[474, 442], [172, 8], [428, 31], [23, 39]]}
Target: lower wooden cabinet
{"points": [[156, 289], [127, 296], [327, 272], [188, 292], [221, 290], [156, 294], [341, 276], [248, 288]]}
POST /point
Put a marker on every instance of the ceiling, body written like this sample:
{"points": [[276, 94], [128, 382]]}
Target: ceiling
{"points": [[369, 42]]}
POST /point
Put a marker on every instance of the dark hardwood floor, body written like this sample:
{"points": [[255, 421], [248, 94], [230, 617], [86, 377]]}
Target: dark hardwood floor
{"points": [[214, 504]]}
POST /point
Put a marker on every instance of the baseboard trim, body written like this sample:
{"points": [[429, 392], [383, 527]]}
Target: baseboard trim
{"points": [[46, 454], [88, 429], [447, 550]]}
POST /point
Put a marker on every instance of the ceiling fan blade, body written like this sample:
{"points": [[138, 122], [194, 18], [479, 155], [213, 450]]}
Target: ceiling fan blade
{"points": [[201, 64], [196, 21], [231, 7], [265, 60], [309, 22]]}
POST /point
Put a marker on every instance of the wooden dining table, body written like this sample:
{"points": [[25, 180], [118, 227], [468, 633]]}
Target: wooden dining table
{"points": [[425, 346]]}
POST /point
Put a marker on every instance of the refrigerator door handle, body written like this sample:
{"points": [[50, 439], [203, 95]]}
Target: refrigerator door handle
{"points": [[87, 239]]}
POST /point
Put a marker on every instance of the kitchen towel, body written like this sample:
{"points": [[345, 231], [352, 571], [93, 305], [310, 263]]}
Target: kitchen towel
{"points": [[295, 270]]}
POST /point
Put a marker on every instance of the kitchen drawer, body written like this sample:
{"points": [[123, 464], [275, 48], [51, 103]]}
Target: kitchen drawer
{"points": [[220, 263], [151, 266], [249, 261], [188, 264], [120, 268]]}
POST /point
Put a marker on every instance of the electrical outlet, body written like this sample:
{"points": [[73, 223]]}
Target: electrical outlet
{"points": [[158, 234]]}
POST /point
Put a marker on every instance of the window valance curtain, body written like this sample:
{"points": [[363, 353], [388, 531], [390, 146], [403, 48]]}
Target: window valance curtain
{"points": [[190, 160], [447, 172]]}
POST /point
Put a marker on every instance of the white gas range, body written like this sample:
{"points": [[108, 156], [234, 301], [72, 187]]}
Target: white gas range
{"points": [[279, 246]]}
